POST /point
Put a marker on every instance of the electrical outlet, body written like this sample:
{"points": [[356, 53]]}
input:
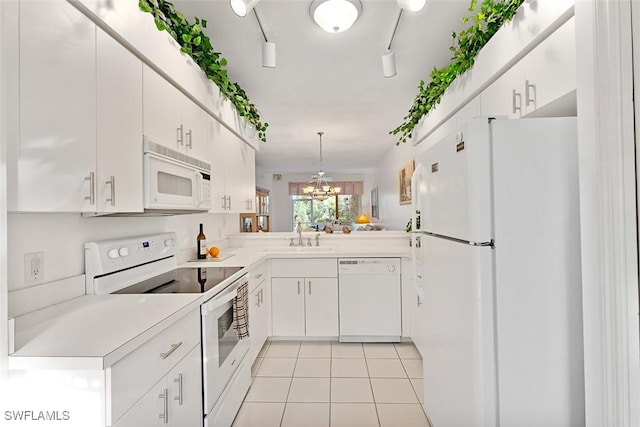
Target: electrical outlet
{"points": [[33, 267]]}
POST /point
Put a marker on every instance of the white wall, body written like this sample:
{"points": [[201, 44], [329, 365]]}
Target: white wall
{"points": [[280, 202], [61, 238], [392, 214], [4, 351], [264, 179]]}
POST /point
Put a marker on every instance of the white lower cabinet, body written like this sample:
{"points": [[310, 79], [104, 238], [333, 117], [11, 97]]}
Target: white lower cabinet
{"points": [[160, 382], [304, 306], [176, 400], [259, 315]]}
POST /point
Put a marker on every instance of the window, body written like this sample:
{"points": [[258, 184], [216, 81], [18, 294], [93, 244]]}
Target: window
{"points": [[315, 214]]}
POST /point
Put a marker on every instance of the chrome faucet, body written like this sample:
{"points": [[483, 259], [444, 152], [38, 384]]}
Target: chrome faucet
{"points": [[299, 230]]}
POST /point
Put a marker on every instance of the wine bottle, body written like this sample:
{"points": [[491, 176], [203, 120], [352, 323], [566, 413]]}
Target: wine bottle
{"points": [[202, 277], [201, 244]]}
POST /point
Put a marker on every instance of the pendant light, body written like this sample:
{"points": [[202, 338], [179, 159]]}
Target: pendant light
{"points": [[318, 187]]}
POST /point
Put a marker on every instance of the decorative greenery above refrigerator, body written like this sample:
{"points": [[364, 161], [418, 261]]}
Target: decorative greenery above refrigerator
{"points": [[194, 42], [466, 45]]}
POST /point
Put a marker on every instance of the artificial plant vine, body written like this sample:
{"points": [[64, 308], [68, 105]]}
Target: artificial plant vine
{"points": [[194, 42], [466, 45]]}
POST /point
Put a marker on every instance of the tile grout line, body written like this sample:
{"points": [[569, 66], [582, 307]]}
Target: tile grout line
{"points": [[375, 403], [330, 378]]}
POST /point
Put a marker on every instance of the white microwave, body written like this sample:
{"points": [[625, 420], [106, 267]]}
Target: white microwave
{"points": [[173, 181]]}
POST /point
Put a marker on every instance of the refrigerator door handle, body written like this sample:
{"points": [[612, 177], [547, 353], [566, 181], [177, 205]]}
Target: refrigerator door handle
{"points": [[491, 243]]}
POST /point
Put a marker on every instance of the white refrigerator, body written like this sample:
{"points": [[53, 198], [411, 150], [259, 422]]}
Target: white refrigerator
{"points": [[498, 273]]}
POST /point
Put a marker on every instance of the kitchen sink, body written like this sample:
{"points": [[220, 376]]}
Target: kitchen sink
{"points": [[298, 249]]}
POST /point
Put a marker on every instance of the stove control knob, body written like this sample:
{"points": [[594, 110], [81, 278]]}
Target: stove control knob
{"points": [[113, 253], [168, 243], [123, 252]]}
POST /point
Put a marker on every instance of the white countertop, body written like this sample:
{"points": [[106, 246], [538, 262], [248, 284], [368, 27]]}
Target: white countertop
{"points": [[94, 331]]}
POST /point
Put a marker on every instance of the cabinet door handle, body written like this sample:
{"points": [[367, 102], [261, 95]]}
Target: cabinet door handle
{"points": [[112, 183], [261, 296], [224, 203], [518, 106], [179, 396], [418, 300], [165, 404], [259, 275], [257, 299], [229, 197], [527, 95], [92, 188], [309, 287], [298, 287], [171, 350], [189, 139], [180, 135]]}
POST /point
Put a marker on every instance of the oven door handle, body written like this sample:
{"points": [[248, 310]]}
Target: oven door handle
{"points": [[219, 300]]}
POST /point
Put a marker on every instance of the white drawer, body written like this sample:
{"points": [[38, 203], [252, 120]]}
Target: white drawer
{"points": [[132, 376], [304, 267], [257, 275]]}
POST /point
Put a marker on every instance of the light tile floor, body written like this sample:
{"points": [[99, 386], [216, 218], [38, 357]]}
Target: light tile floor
{"points": [[331, 384]]}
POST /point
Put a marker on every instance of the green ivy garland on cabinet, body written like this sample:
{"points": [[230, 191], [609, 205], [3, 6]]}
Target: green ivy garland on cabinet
{"points": [[194, 42], [466, 45]]}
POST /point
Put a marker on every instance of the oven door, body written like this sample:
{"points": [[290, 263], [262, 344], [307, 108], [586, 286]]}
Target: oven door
{"points": [[222, 349], [168, 184]]}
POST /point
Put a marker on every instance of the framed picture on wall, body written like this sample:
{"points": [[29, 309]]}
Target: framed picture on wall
{"points": [[404, 182], [374, 204]]}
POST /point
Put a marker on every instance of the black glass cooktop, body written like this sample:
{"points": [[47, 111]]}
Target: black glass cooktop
{"points": [[183, 281]]}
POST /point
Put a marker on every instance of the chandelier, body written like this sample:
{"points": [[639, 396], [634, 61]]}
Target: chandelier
{"points": [[318, 187]]}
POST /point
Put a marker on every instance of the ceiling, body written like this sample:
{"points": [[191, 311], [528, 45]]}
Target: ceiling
{"points": [[329, 82]]}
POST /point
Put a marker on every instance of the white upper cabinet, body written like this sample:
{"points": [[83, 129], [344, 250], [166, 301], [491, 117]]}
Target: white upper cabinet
{"points": [[119, 136], [550, 73], [162, 110], [194, 120], [171, 119], [52, 162], [504, 97], [543, 83], [233, 171]]}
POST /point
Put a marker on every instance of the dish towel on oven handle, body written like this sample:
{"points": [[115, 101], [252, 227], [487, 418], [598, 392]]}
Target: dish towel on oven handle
{"points": [[241, 310]]}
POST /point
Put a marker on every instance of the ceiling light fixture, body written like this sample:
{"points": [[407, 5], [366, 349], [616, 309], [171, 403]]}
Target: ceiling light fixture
{"points": [[242, 7], [268, 48], [318, 187], [389, 58], [412, 5], [335, 16]]}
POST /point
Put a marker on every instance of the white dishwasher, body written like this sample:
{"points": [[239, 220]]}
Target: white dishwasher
{"points": [[370, 299]]}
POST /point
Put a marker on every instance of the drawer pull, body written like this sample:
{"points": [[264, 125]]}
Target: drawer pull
{"points": [[171, 350], [259, 275], [165, 397], [179, 396]]}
